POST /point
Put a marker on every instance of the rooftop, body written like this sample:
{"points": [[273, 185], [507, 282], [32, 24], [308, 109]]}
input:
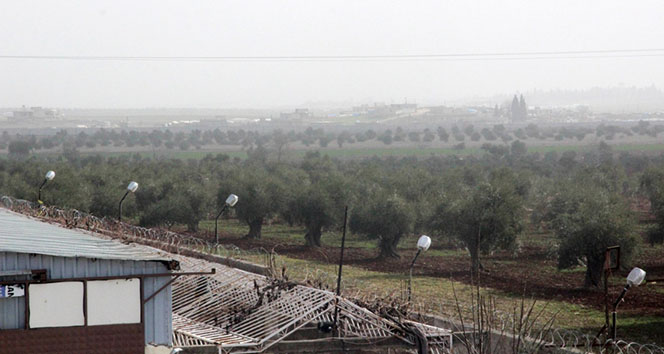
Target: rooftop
{"points": [[24, 234]]}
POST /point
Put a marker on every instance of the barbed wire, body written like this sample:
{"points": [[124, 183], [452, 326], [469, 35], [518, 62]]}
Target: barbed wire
{"points": [[355, 289], [175, 242]]}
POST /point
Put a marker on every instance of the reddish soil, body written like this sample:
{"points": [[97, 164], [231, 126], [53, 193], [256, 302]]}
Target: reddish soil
{"points": [[516, 275]]}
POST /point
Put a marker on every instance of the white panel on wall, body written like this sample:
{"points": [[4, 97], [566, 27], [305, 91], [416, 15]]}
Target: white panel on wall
{"points": [[56, 304], [114, 301]]}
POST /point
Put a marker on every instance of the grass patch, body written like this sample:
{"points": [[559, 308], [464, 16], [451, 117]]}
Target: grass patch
{"points": [[573, 270], [446, 253]]}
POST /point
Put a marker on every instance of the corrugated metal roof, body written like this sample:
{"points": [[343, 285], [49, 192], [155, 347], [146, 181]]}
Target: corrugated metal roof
{"points": [[23, 234]]}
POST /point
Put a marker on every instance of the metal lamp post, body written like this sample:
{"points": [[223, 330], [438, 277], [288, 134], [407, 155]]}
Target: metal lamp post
{"points": [[423, 244], [341, 264], [634, 278], [132, 187], [48, 177], [230, 202]]}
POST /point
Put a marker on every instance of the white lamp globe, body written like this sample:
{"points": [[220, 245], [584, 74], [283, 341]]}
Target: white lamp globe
{"points": [[50, 175], [636, 277], [232, 200], [424, 243], [132, 187]]}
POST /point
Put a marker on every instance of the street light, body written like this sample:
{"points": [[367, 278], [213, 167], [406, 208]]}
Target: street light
{"points": [[132, 187], [634, 278], [423, 244], [48, 177], [230, 202]]}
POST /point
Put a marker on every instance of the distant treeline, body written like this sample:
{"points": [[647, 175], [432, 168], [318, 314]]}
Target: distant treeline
{"points": [[196, 139], [480, 202]]}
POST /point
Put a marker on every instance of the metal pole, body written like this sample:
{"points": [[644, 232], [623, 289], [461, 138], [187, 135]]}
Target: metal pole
{"points": [[216, 235], [410, 276], [615, 309], [341, 264], [607, 273], [613, 327], [606, 302], [39, 201], [120, 207], [341, 257]]}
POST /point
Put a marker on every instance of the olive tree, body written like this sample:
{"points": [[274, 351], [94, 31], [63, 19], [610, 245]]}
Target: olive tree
{"points": [[386, 218], [652, 183], [19, 149], [168, 212], [172, 202], [485, 216], [317, 201], [587, 219], [316, 206], [261, 196]]}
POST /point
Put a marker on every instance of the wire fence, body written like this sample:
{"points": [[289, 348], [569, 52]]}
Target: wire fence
{"points": [[538, 334], [540, 337]]}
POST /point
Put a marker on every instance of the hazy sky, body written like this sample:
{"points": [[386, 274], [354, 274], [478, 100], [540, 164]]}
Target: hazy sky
{"points": [[301, 28]]}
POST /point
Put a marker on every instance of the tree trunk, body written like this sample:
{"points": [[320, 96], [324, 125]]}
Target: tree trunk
{"points": [[474, 259], [313, 237], [388, 247], [474, 250], [255, 227], [594, 272]]}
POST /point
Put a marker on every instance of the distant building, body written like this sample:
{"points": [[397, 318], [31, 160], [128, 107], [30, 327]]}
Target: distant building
{"points": [[378, 110], [217, 121], [403, 108], [361, 108], [35, 113], [298, 114]]}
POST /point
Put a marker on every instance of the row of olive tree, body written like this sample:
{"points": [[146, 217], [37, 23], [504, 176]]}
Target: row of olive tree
{"points": [[482, 201], [21, 144]]}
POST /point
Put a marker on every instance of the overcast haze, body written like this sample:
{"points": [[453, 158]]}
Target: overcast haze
{"points": [[312, 28]]}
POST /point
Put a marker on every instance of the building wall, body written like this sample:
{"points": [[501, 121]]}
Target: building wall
{"points": [[158, 320], [107, 339]]}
